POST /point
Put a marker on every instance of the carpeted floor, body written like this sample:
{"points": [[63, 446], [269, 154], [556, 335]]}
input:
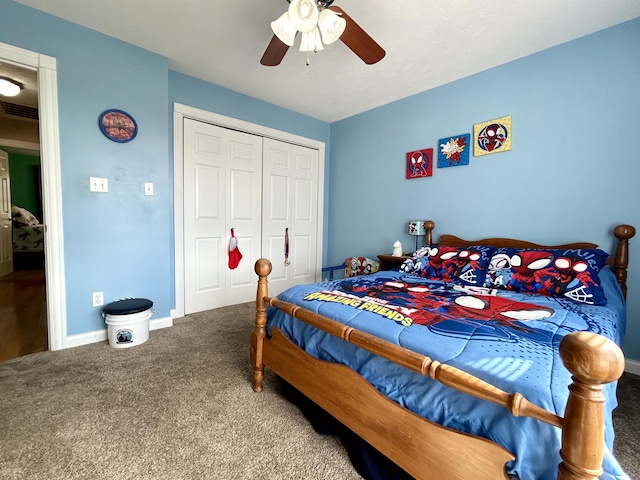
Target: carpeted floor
{"points": [[626, 421], [179, 407]]}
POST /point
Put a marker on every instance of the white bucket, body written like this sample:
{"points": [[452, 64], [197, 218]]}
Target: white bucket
{"points": [[128, 321], [128, 330]]}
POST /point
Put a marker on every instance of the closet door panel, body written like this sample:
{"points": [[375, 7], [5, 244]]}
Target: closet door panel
{"points": [[204, 217], [277, 205], [275, 246], [290, 192], [207, 279], [244, 213], [303, 258], [222, 185], [304, 206]]}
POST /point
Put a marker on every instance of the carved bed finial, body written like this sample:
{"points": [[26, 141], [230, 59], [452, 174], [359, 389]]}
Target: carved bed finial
{"points": [[429, 225], [623, 233], [593, 361]]}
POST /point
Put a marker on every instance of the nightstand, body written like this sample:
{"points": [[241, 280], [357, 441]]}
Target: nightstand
{"points": [[389, 262]]}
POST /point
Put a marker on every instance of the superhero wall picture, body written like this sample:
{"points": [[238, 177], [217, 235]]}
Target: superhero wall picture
{"points": [[454, 151], [492, 137], [419, 163]]}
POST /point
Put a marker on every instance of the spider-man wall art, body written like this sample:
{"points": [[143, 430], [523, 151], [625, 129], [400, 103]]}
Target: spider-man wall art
{"points": [[492, 136], [454, 151], [419, 163]]}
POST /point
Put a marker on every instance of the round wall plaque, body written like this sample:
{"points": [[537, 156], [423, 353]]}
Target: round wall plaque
{"points": [[118, 126]]}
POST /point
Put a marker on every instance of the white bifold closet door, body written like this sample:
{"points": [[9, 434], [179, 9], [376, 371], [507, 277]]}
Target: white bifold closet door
{"points": [[222, 190], [290, 204]]}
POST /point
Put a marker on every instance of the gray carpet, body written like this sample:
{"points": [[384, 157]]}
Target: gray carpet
{"points": [[178, 407]]}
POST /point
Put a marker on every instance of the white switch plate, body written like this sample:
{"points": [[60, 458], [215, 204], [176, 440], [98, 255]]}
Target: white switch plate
{"points": [[97, 184], [148, 188]]}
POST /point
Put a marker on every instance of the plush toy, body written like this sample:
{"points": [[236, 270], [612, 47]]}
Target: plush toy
{"points": [[360, 266], [397, 249]]}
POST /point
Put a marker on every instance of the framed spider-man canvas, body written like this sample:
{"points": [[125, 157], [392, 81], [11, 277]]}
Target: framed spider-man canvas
{"points": [[419, 163], [454, 151], [492, 137]]}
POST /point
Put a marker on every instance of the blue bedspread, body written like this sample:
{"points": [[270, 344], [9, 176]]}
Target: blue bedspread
{"points": [[507, 339]]}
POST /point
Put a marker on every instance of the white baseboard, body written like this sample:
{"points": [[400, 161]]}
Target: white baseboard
{"points": [[632, 366], [102, 335]]}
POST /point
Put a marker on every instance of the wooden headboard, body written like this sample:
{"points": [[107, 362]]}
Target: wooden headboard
{"points": [[619, 262]]}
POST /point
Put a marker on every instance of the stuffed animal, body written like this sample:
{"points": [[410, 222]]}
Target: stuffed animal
{"points": [[397, 249]]}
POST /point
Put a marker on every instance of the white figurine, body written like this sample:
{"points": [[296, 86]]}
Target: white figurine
{"points": [[397, 249]]}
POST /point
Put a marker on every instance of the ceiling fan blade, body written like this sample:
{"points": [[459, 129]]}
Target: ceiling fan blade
{"points": [[274, 53], [359, 41]]}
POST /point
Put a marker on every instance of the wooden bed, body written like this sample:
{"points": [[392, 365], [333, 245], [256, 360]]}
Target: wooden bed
{"points": [[422, 448]]}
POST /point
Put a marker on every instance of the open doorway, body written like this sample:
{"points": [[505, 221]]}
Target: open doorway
{"points": [[48, 144], [22, 274]]}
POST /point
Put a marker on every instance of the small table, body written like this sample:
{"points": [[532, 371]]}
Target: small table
{"points": [[389, 262]]}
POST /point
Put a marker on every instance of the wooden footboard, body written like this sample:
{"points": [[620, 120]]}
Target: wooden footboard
{"points": [[420, 447], [413, 443]]}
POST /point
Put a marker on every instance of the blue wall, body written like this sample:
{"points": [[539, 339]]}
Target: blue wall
{"points": [[572, 173], [121, 242], [115, 242]]}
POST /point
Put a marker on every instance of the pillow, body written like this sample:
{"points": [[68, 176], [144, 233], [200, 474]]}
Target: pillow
{"points": [[464, 264], [23, 217], [568, 273], [360, 266]]}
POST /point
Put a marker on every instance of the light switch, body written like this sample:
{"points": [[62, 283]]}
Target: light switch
{"points": [[148, 188], [97, 184]]}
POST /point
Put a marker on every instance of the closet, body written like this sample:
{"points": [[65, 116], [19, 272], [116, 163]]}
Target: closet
{"points": [[262, 189]]}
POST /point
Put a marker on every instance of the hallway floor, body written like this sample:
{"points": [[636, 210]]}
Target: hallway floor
{"points": [[23, 314]]}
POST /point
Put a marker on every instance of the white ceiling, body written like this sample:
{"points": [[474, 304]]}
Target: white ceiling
{"points": [[428, 43]]}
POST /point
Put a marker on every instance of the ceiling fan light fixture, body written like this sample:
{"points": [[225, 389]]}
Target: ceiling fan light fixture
{"points": [[320, 24], [331, 26], [311, 42], [303, 14], [284, 29], [9, 87]]}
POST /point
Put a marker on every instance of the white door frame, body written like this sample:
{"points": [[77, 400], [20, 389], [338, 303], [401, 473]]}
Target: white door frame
{"points": [[184, 111], [51, 186]]}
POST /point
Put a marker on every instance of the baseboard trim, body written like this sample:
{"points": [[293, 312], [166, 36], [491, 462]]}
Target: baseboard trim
{"points": [[102, 335], [632, 366]]}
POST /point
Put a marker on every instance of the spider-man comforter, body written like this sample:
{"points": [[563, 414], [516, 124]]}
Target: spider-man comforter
{"points": [[507, 339]]}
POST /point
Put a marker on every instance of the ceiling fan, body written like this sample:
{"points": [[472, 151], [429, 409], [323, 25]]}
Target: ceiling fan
{"points": [[319, 22]]}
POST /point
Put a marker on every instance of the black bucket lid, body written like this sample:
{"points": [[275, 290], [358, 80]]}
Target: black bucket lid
{"points": [[127, 306]]}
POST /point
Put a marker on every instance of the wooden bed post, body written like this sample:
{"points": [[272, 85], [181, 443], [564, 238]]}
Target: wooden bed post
{"points": [[428, 236], [262, 269], [623, 233], [593, 361]]}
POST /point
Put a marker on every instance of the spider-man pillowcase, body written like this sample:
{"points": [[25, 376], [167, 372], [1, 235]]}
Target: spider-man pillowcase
{"points": [[568, 273], [466, 265]]}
